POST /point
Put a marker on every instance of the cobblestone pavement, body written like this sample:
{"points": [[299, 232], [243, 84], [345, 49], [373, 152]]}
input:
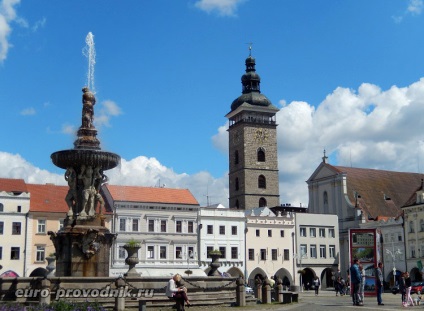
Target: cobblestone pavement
{"points": [[326, 300]]}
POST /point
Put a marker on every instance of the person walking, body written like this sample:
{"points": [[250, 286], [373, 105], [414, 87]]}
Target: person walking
{"points": [[362, 284], [317, 284], [355, 278], [379, 282], [408, 285], [402, 288]]}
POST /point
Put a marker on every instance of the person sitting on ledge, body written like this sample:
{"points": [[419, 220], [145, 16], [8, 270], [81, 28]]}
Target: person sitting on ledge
{"points": [[177, 293]]}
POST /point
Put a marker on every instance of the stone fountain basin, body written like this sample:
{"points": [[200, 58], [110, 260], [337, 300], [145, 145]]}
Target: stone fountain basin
{"points": [[89, 157]]}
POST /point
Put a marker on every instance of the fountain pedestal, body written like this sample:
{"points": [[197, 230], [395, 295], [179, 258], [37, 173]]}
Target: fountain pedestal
{"points": [[83, 248]]}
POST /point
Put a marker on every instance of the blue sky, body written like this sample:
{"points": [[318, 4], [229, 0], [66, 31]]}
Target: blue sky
{"points": [[347, 76]]}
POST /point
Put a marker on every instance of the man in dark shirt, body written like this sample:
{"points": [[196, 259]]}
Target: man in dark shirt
{"points": [[379, 278], [355, 278]]}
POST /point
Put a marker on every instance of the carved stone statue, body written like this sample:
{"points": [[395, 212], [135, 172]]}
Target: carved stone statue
{"points": [[71, 196], [88, 102], [86, 176]]}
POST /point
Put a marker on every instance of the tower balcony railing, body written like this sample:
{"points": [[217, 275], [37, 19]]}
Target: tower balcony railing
{"points": [[252, 120]]}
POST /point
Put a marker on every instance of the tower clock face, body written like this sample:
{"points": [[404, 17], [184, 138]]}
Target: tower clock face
{"points": [[261, 135]]}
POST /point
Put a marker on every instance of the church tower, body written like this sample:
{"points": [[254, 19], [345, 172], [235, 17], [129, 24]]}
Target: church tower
{"points": [[253, 175]]}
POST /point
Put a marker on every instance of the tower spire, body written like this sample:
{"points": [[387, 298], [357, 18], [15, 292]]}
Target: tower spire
{"points": [[324, 158]]}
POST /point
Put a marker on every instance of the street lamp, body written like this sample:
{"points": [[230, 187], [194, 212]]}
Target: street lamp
{"points": [[394, 253], [300, 257]]}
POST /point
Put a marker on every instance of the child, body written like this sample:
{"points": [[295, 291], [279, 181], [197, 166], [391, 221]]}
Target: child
{"points": [[417, 299]]}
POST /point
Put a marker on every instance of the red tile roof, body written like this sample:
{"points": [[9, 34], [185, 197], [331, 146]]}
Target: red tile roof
{"points": [[12, 185], [152, 195], [48, 198], [382, 193]]}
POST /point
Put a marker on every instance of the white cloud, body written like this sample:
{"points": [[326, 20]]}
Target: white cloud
{"points": [[220, 140], [28, 111], [39, 24], [415, 7], [68, 129], [141, 171], [222, 7], [107, 110], [368, 127], [7, 16]]}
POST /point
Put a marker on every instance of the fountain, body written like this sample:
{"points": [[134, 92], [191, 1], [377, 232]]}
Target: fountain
{"points": [[83, 245]]}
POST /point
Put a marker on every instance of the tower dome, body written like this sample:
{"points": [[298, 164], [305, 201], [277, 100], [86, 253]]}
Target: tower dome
{"points": [[251, 92]]}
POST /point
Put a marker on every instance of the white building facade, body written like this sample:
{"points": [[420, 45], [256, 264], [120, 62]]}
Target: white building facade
{"points": [[317, 249], [222, 229], [164, 222], [14, 208], [269, 245]]}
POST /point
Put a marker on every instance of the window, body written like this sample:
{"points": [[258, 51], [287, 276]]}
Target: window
{"points": [[262, 202], [263, 254], [411, 227], [302, 231], [16, 228], [222, 249], [331, 233], [122, 224], [251, 254], [261, 182], [1, 207], [413, 251], [190, 227], [151, 226], [274, 254], [1, 253], [237, 184], [14, 253], [258, 232], [61, 224], [135, 224], [313, 250], [303, 250], [1, 227], [208, 250], [322, 251], [421, 225], [178, 252], [261, 155], [236, 157], [190, 252], [282, 233], [234, 252], [150, 252], [222, 230], [400, 238], [321, 232], [162, 252], [19, 209], [40, 253], [234, 230], [179, 226], [286, 254], [41, 226], [332, 251], [163, 226], [210, 229], [313, 232], [121, 252], [270, 233]]}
